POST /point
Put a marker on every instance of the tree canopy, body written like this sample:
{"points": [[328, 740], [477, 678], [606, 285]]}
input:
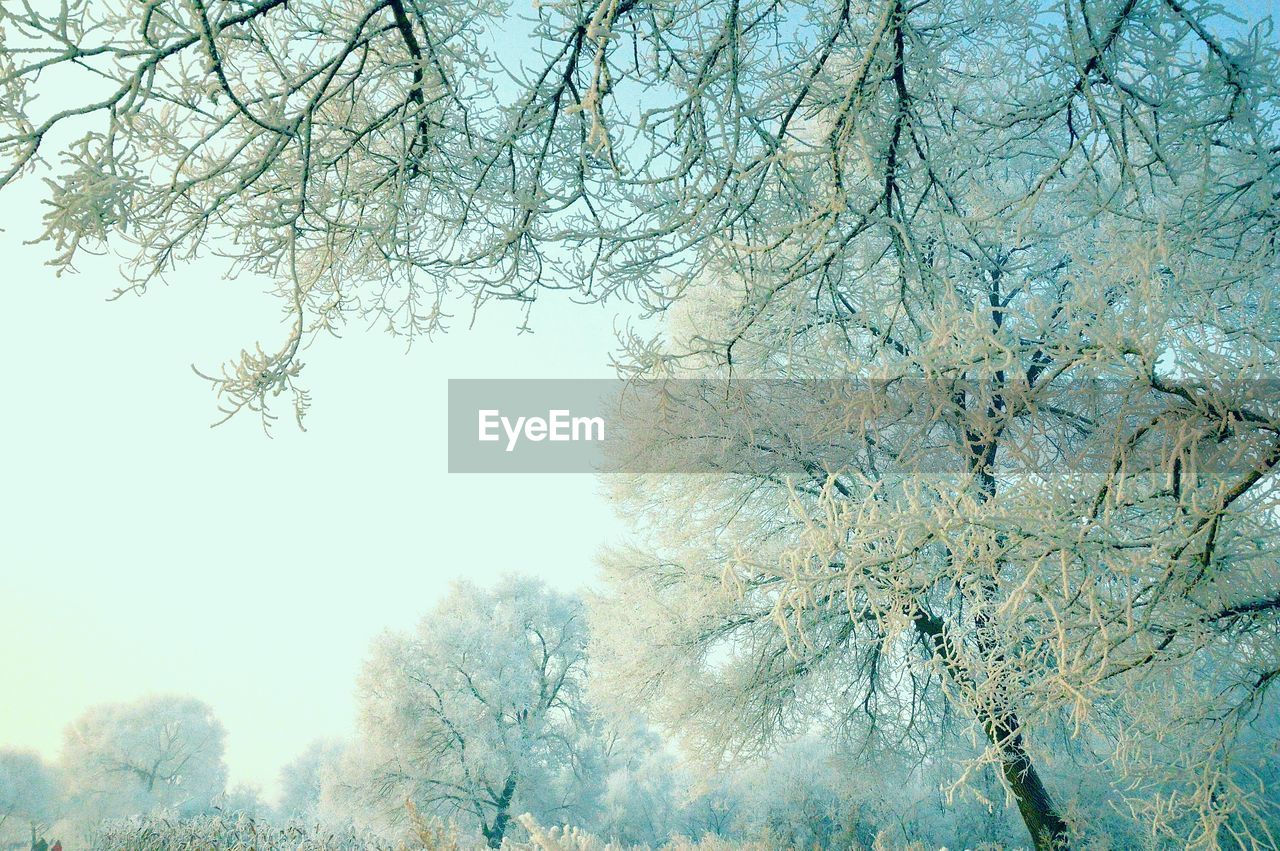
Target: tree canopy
{"points": [[406, 160], [479, 715], [155, 754]]}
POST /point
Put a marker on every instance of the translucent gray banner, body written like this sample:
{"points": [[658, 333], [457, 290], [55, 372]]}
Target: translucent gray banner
{"points": [[789, 429]]}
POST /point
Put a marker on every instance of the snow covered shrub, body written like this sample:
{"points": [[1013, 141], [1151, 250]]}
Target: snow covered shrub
{"points": [[227, 833]]}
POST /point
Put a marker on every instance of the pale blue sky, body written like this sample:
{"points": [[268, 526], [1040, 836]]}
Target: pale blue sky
{"points": [[143, 552]]}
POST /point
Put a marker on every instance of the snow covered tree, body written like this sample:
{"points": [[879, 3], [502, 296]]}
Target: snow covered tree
{"points": [[479, 715], [302, 779], [29, 797], [1017, 474], [157, 754], [243, 799], [643, 790], [806, 797]]}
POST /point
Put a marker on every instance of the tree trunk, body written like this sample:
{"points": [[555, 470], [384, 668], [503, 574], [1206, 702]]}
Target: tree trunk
{"points": [[1040, 815], [502, 817], [1047, 828]]}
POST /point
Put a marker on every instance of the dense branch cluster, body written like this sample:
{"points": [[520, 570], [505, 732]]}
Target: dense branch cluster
{"points": [[398, 160]]}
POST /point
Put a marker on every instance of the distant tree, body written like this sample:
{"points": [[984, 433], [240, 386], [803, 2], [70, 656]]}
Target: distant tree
{"points": [[243, 799], [301, 780], [29, 796], [160, 753], [807, 797], [644, 790], [480, 714]]}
